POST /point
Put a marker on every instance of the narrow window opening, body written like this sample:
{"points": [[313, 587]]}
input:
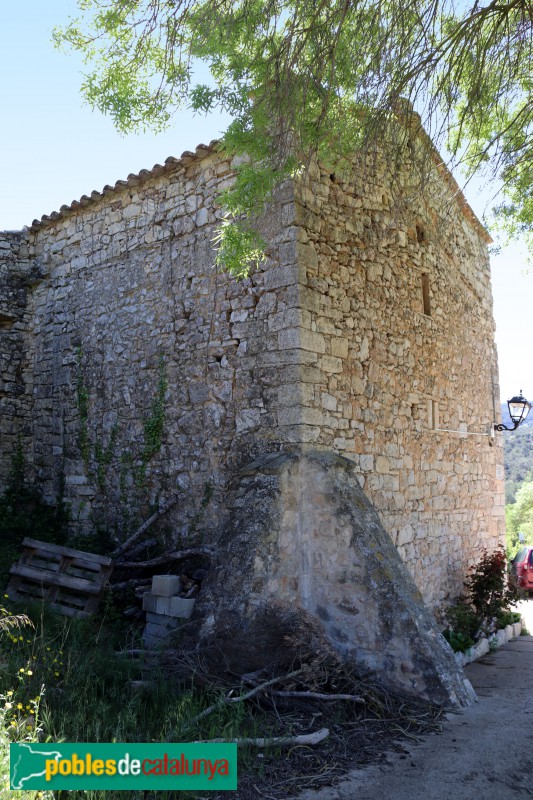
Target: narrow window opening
{"points": [[426, 304], [433, 415], [420, 234], [436, 415]]}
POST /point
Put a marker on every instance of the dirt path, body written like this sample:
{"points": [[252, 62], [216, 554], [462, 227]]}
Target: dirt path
{"points": [[483, 753]]}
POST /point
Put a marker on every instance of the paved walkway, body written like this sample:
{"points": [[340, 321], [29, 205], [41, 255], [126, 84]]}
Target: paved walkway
{"points": [[483, 753]]}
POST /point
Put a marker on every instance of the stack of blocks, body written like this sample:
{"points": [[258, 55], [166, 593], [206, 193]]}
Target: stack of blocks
{"points": [[164, 608]]}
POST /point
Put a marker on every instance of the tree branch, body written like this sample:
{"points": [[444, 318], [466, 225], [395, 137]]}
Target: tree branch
{"points": [[228, 700], [144, 527], [274, 741]]}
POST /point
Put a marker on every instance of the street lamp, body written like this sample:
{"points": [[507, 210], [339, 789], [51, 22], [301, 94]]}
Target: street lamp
{"points": [[518, 410]]}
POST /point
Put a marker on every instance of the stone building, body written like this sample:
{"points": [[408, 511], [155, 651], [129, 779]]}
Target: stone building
{"points": [[132, 370]]}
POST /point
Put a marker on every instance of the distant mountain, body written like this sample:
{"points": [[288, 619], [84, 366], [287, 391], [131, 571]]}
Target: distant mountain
{"points": [[517, 453]]}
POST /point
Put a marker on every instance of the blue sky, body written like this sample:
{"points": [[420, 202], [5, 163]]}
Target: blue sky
{"points": [[53, 149]]}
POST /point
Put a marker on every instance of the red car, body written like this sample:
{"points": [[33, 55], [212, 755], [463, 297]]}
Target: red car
{"points": [[521, 569]]}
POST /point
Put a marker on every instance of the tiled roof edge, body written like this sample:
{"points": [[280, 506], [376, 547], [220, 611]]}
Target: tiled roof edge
{"points": [[171, 165]]}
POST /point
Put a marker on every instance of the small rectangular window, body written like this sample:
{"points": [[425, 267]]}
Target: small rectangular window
{"points": [[426, 305]]}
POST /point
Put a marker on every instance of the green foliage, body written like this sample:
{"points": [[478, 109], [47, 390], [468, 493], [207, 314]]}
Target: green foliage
{"points": [[98, 456], [519, 519], [463, 626], [239, 248], [487, 588], [19, 722], [20, 727], [505, 617], [458, 641], [319, 78], [24, 513], [102, 455], [518, 456], [154, 423], [63, 680], [487, 603], [153, 426]]}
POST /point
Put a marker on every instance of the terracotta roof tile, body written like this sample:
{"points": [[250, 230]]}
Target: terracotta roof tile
{"points": [[171, 165]]}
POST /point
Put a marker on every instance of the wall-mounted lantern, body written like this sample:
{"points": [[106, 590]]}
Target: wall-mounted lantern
{"points": [[519, 408]]}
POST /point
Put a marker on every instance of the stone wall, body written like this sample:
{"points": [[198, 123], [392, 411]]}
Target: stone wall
{"points": [[398, 308], [16, 277], [364, 333], [132, 300]]}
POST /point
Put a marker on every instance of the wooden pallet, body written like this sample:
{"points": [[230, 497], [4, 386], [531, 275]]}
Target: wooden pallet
{"points": [[72, 582]]}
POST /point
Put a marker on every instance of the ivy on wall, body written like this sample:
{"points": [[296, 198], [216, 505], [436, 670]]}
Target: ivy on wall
{"points": [[153, 424], [99, 456]]}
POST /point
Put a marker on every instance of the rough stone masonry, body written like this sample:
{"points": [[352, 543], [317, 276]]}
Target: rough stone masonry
{"points": [[132, 370]]}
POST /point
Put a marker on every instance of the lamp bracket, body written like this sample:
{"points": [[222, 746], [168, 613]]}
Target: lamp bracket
{"points": [[501, 427]]}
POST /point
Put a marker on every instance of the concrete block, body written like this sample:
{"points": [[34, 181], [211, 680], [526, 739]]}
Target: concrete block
{"points": [[156, 604], [166, 585], [182, 607], [159, 631], [152, 642], [163, 620]]}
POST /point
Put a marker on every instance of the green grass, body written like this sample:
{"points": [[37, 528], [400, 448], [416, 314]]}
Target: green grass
{"points": [[65, 680]]}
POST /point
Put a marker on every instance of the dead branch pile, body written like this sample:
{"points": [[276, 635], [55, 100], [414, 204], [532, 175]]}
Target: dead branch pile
{"points": [[327, 715], [303, 679]]}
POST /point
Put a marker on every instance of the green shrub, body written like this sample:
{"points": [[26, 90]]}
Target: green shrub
{"points": [[487, 587], [24, 513], [458, 641], [486, 605], [504, 618]]}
